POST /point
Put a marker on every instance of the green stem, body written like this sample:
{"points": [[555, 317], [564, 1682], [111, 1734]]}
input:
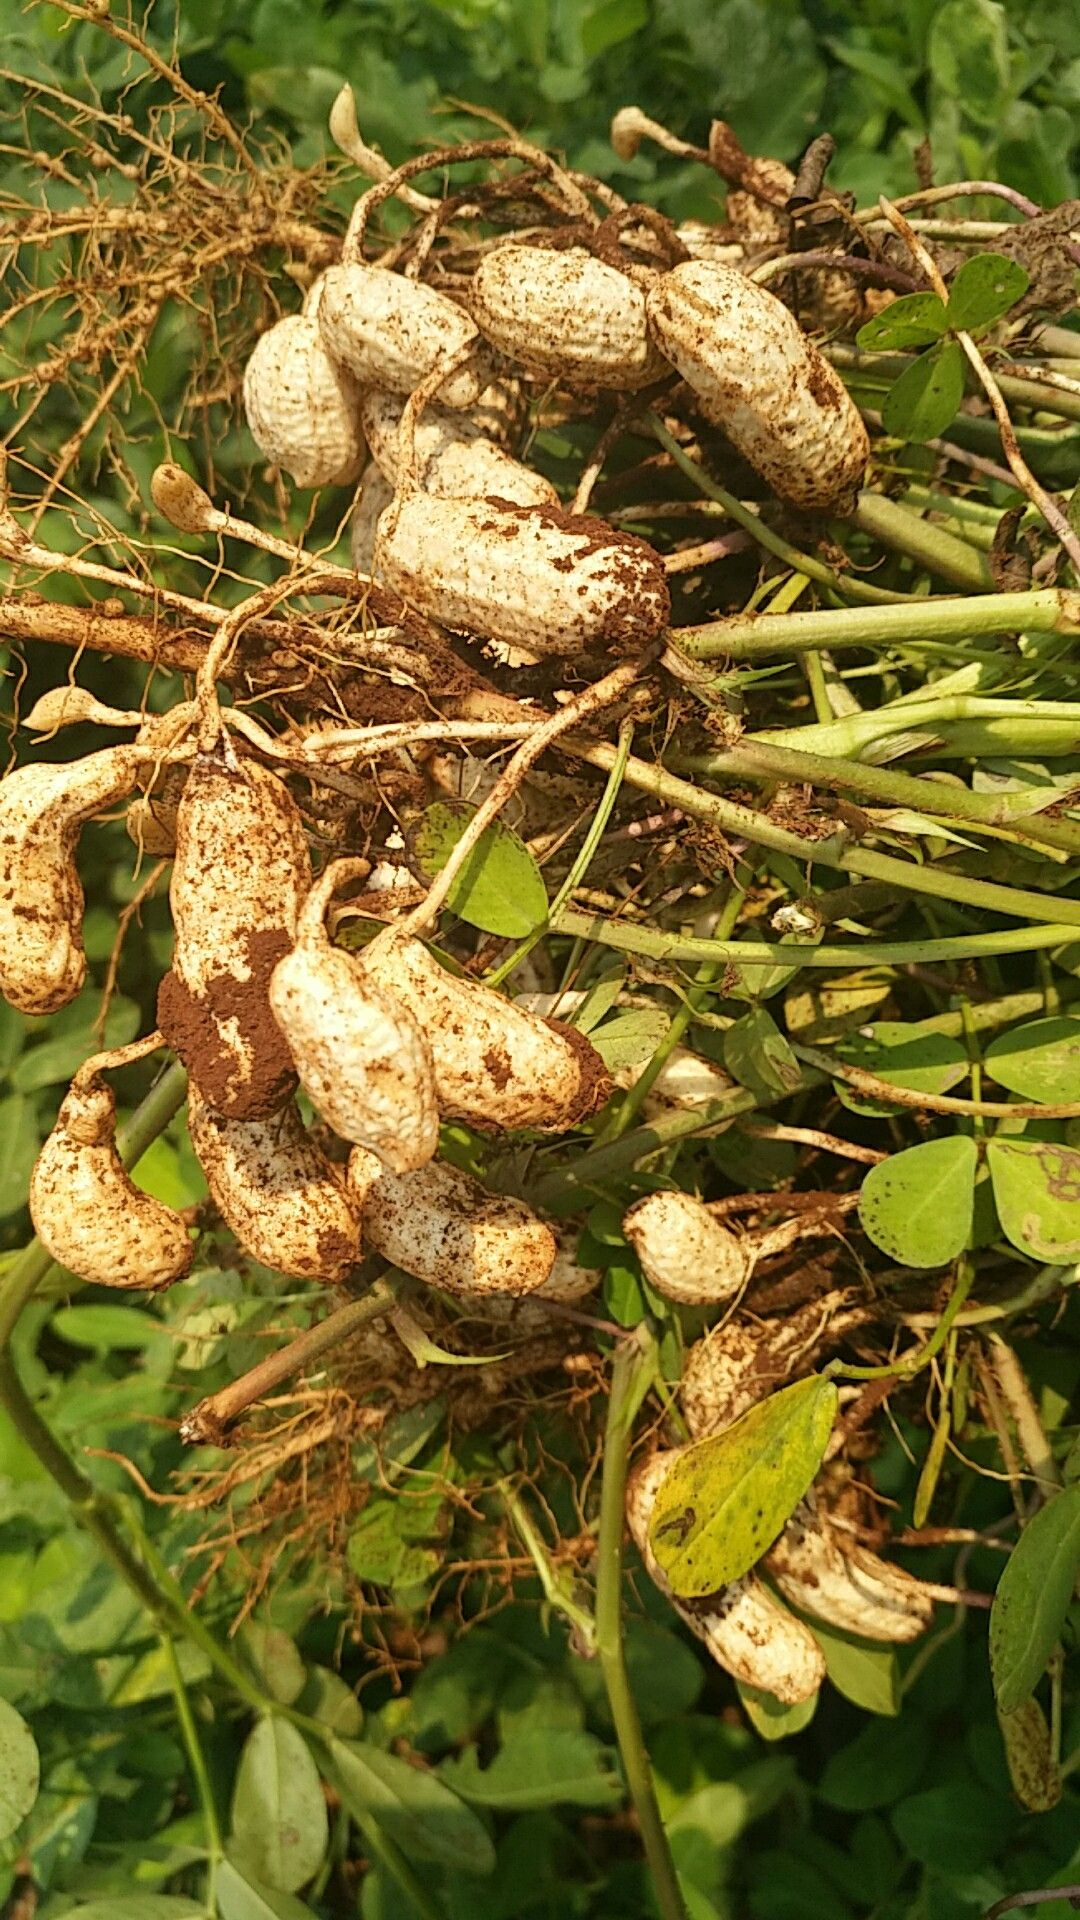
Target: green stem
{"points": [[632, 1373], [199, 1772], [931, 546], [382, 1848], [752, 636], [628, 937], [556, 1586], [914, 1362]]}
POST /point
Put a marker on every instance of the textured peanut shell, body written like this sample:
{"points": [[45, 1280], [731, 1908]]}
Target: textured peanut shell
{"points": [[362, 1057], [454, 460], [755, 373], [240, 873], [277, 1191], [734, 1366], [42, 811], [847, 1586], [566, 1285], [686, 1254], [302, 407], [373, 499], [534, 577], [745, 1630], [495, 1065], [442, 1226], [392, 332], [87, 1211], [566, 314]]}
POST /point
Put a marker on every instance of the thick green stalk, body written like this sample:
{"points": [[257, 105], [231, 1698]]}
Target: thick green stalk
{"points": [[628, 937], [634, 1366], [852, 733], [932, 546], [759, 635]]}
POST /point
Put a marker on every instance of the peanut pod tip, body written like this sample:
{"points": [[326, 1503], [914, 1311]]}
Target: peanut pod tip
{"points": [[443, 1227]]}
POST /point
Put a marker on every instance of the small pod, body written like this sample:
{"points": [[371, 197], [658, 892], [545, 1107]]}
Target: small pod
{"points": [[302, 406], [454, 460], [848, 1587], [534, 577], [362, 1057], [746, 1631], [686, 1254], [735, 1365], [755, 373], [86, 1209], [392, 332], [442, 1226], [43, 809], [495, 1065], [372, 501], [288, 1206], [69, 705], [567, 315], [239, 876]]}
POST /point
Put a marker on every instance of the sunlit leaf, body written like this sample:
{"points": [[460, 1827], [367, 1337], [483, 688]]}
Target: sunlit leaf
{"points": [[918, 1205], [500, 889]]}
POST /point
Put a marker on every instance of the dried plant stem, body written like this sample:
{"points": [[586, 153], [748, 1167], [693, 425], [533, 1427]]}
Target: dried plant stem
{"points": [[876, 1088]]}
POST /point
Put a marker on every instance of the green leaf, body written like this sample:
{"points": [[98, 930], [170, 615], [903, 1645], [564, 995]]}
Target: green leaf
{"points": [[279, 1823], [610, 22], [108, 1329], [55, 1058], [275, 1660], [915, 320], [878, 1767], [770, 1718], [1033, 1598], [967, 54], [242, 1897], [865, 1673], [501, 889], [727, 1497], [1037, 1194], [757, 1055], [139, 1906], [20, 1139], [327, 1698], [411, 1806], [20, 1769], [926, 398], [631, 1038], [893, 1051], [983, 289], [918, 1205], [1029, 1754], [1040, 1060], [956, 1827], [539, 1767]]}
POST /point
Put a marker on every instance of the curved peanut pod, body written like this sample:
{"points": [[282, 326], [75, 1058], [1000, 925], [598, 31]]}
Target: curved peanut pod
{"points": [[87, 1210], [686, 1254], [534, 577], [442, 1226], [372, 501], [566, 314], [755, 373], [736, 1365], [746, 1631], [42, 811], [848, 1587], [392, 332], [288, 1206], [70, 705], [454, 459], [239, 876], [495, 1065], [302, 406], [362, 1057]]}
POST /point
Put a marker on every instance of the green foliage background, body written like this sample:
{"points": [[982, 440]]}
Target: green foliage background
{"points": [[868, 1811]]}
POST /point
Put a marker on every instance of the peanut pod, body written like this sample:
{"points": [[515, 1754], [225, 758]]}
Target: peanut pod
{"points": [[684, 1253], [454, 459], [302, 405], [495, 1065], [567, 315], [735, 1365], [240, 873], [392, 332], [275, 1188], [442, 1226], [845, 1585]]}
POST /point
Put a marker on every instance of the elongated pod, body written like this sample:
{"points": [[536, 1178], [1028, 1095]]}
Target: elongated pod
{"points": [[392, 332], [442, 1226], [239, 875], [534, 577], [362, 1056], [454, 459], [495, 1065], [43, 809], [746, 1631], [86, 1209], [302, 404], [757, 375], [845, 1584], [686, 1254], [566, 314], [288, 1206], [737, 1364]]}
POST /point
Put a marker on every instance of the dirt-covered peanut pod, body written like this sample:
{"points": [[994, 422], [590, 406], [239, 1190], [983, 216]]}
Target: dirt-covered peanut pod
{"points": [[746, 1631], [87, 1211], [151, 817], [735, 1365], [824, 1574], [302, 404], [392, 332], [684, 1253], [240, 873], [362, 1056], [372, 501], [43, 809], [757, 375], [273, 1185], [495, 1065], [534, 577], [443, 1227], [567, 315], [454, 459]]}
